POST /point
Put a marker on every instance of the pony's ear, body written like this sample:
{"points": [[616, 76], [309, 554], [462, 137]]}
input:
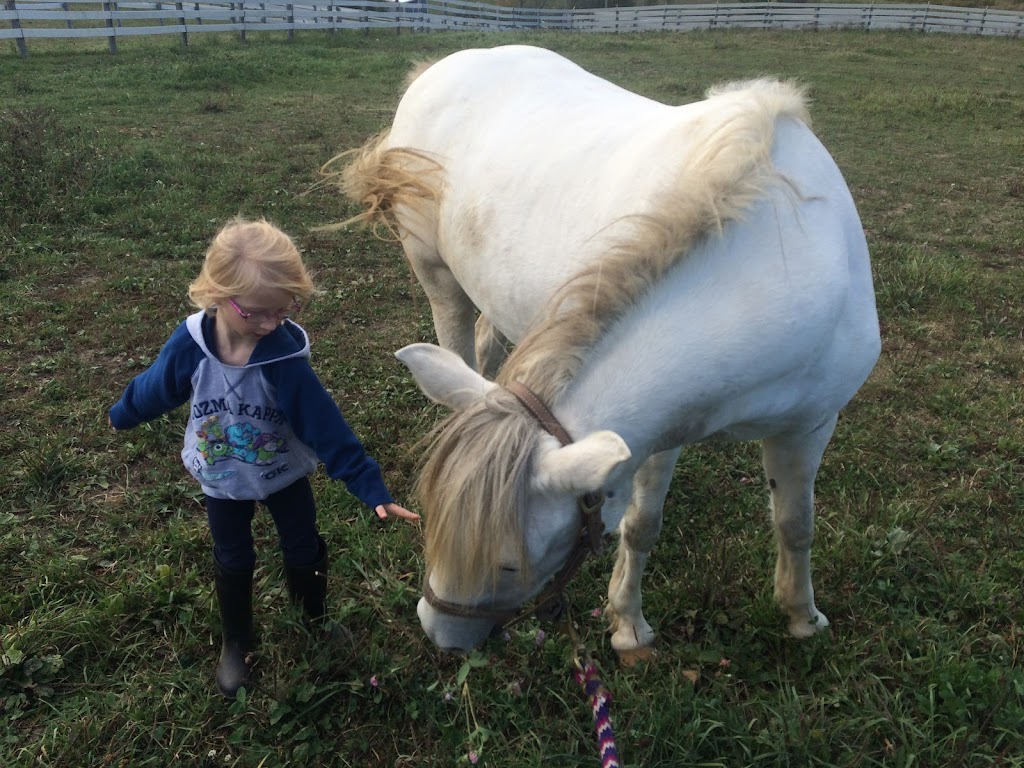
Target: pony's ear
{"points": [[443, 376], [590, 464]]}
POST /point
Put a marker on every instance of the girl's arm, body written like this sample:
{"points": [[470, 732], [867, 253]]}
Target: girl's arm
{"points": [[163, 386], [317, 421]]}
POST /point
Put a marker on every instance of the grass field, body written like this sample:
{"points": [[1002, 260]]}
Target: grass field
{"points": [[114, 172]]}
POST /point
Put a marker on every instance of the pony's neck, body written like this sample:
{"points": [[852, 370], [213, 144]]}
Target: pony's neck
{"points": [[689, 360]]}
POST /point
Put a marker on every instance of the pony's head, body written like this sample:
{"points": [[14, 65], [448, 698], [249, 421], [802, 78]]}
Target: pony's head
{"points": [[498, 496]]}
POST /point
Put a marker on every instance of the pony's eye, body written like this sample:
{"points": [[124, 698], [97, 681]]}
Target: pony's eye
{"points": [[509, 569]]}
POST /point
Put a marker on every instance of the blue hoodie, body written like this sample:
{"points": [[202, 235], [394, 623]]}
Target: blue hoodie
{"points": [[252, 429]]}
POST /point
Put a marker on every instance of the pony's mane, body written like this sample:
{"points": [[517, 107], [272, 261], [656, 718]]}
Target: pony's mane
{"points": [[729, 170], [474, 481]]}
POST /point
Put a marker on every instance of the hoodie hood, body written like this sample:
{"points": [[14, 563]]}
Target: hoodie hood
{"points": [[286, 341]]}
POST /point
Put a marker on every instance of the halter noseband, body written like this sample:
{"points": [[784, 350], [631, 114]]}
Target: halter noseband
{"points": [[551, 603]]}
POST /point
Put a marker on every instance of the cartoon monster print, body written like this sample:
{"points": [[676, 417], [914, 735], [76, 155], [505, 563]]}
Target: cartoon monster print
{"points": [[241, 441]]}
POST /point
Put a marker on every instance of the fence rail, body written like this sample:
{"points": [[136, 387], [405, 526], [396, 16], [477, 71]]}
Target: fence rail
{"points": [[23, 20]]}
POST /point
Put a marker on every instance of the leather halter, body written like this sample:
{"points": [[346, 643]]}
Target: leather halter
{"points": [[551, 603], [589, 504]]}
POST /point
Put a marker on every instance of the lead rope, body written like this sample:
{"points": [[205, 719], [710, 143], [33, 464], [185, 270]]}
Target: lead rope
{"points": [[585, 672], [600, 699]]}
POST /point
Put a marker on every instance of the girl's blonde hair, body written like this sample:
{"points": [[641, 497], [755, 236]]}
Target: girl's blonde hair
{"points": [[247, 256]]}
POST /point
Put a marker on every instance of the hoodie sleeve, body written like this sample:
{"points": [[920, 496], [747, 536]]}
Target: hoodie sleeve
{"points": [[163, 386], [317, 421]]}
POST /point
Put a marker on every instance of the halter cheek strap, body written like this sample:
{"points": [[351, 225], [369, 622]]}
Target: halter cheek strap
{"points": [[589, 504], [539, 411]]}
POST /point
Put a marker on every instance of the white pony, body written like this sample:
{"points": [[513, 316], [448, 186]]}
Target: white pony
{"points": [[669, 274]]}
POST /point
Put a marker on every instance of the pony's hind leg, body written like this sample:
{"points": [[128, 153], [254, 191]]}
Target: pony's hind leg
{"points": [[491, 348], [791, 463], [632, 636]]}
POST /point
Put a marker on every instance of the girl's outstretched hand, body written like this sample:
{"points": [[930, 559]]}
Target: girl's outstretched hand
{"points": [[385, 510]]}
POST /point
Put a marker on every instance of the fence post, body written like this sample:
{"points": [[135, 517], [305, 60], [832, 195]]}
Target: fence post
{"points": [[111, 39], [240, 19], [15, 24], [66, 7], [291, 21], [180, 8]]}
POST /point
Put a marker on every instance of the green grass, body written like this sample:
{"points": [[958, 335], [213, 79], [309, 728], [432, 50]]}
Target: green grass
{"points": [[115, 171]]}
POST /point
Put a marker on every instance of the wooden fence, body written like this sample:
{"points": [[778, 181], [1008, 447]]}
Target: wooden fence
{"points": [[23, 20]]}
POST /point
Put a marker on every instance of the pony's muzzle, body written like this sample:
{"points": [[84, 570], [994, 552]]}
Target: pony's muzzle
{"points": [[453, 634]]}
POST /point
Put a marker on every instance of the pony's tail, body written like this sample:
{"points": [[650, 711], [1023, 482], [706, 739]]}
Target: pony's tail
{"points": [[377, 178]]}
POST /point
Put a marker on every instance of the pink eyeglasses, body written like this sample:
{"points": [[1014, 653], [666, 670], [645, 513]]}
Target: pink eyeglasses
{"points": [[276, 315]]}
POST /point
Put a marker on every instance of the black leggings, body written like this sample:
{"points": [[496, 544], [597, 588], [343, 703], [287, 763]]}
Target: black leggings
{"points": [[294, 513]]}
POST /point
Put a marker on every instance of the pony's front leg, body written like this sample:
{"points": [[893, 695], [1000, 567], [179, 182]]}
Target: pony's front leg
{"points": [[791, 463], [632, 636], [453, 313]]}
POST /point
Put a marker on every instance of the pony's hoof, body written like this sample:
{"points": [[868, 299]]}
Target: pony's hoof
{"points": [[632, 657], [804, 628]]}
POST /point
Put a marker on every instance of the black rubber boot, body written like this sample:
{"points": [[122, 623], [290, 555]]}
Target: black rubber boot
{"points": [[234, 596], [307, 586]]}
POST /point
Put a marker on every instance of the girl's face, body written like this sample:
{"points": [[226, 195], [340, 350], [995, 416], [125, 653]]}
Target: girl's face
{"points": [[257, 313]]}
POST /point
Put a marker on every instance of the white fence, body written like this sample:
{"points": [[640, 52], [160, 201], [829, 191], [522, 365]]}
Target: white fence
{"points": [[22, 20]]}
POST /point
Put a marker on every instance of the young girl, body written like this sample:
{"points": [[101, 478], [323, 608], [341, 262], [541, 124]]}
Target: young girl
{"points": [[258, 423]]}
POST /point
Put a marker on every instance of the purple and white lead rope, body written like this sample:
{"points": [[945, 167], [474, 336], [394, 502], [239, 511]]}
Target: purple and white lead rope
{"points": [[600, 699]]}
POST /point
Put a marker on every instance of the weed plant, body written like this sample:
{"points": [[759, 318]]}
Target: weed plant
{"points": [[115, 171]]}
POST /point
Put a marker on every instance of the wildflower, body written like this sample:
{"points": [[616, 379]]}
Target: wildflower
{"points": [[516, 688], [540, 637], [596, 613], [473, 757], [506, 636], [724, 663], [373, 682], [448, 696]]}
